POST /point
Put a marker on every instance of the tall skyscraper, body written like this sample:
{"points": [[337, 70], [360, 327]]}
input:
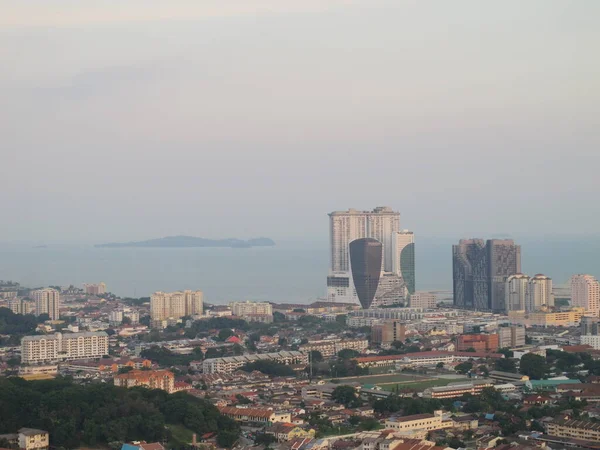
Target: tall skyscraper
{"points": [[585, 292], [470, 274], [403, 263], [516, 292], [366, 256], [539, 293], [47, 301], [480, 272], [175, 305], [504, 259], [346, 226]]}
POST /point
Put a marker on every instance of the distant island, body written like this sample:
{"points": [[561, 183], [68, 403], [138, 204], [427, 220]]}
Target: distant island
{"points": [[191, 241]]}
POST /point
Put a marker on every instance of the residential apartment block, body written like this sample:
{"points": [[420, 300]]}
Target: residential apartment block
{"points": [[386, 333], [331, 347], [47, 301], [243, 309], [509, 337], [585, 293], [95, 288], [175, 305], [63, 347], [479, 342], [457, 390], [152, 379], [425, 300], [232, 363]]}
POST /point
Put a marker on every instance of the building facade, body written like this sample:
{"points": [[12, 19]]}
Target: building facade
{"points": [[63, 347], [47, 301], [512, 336], [331, 347], [243, 309], [479, 342], [585, 293], [403, 264], [176, 305], [480, 271], [386, 333], [575, 429], [152, 379], [20, 306], [425, 300], [95, 288], [516, 292], [366, 257], [539, 293], [232, 363], [346, 226]]}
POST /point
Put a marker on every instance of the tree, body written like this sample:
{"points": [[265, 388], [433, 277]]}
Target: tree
{"points": [[282, 342], [534, 366], [242, 400], [224, 334], [125, 369], [348, 353], [440, 365], [505, 365], [298, 310], [506, 352], [126, 321], [264, 439], [227, 438], [316, 356], [464, 367], [346, 395], [470, 350]]}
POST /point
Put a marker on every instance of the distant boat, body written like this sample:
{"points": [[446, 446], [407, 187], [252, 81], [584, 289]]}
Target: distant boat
{"points": [[40, 246]]}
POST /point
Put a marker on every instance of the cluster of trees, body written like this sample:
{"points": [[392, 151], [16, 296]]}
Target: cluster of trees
{"points": [[18, 325], [99, 414], [269, 367], [166, 358], [347, 396]]}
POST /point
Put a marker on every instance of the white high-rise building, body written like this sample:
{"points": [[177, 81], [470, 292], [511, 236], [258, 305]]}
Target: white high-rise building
{"points": [[585, 292], [47, 301], [340, 288], [347, 226], [539, 293], [176, 305], [95, 289], [516, 292]]}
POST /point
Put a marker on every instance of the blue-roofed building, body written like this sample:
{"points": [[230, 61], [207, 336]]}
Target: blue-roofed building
{"points": [[142, 445]]}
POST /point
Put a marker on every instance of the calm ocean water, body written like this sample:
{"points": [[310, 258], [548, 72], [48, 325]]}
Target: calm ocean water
{"points": [[289, 272]]}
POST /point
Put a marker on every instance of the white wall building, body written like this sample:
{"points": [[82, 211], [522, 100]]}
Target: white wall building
{"points": [[233, 363], [591, 340], [539, 293], [47, 301], [585, 292], [516, 292], [95, 288], [63, 347]]}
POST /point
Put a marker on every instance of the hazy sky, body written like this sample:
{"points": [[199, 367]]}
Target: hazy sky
{"points": [[143, 118]]}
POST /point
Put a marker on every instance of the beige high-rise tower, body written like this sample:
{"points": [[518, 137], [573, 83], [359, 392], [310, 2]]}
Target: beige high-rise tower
{"points": [[47, 301], [585, 292], [175, 305], [539, 293]]}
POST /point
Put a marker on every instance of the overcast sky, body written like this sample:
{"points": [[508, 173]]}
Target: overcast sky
{"points": [[145, 118]]}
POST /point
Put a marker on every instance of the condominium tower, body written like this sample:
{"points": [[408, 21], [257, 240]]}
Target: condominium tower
{"points": [[175, 305], [585, 292], [539, 293], [480, 271], [47, 301], [398, 254], [346, 226]]}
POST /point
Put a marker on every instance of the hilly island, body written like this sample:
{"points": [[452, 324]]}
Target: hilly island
{"points": [[191, 241]]}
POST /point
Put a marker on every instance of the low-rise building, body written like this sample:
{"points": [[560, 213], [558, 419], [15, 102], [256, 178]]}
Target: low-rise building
{"points": [[255, 415], [457, 390], [422, 359], [33, 439], [331, 347], [512, 336], [575, 429], [479, 342], [284, 432], [152, 379], [233, 363], [419, 424], [508, 377]]}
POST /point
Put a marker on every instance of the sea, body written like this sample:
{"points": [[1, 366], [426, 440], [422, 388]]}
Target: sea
{"points": [[292, 271]]}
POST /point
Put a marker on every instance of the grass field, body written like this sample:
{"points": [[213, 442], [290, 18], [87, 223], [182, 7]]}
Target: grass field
{"points": [[181, 435], [420, 385]]}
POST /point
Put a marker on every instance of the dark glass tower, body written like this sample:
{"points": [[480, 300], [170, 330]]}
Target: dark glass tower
{"points": [[480, 271], [366, 256]]}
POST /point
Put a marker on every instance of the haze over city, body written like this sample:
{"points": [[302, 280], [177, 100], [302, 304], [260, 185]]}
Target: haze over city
{"points": [[147, 119]]}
